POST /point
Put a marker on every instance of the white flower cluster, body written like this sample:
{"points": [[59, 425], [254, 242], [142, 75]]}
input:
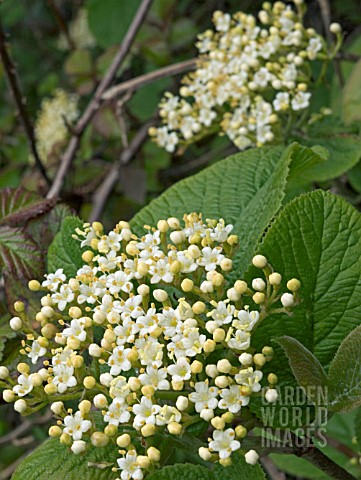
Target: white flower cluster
{"points": [[250, 83], [52, 125], [151, 362], [79, 33]]}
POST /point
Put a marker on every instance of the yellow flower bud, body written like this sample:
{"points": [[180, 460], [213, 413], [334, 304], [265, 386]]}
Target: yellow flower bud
{"points": [[174, 428], [294, 285], [89, 382], [219, 335], [240, 431], [187, 285], [218, 423], [240, 287], [148, 390], [34, 285], [275, 278], [19, 307], [65, 439], [55, 431], [50, 389], [153, 454], [87, 256], [143, 461], [124, 440], [147, 430], [196, 366], [259, 298], [23, 368], [85, 405], [259, 359], [163, 226], [99, 439]]}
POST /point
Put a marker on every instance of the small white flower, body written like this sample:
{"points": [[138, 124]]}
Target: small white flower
{"points": [[53, 280], [210, 258], [24, 385], [300, 101], [129, 467], [76, 330], [224, 443], [75, 425], [180, 370], [155, 377], [204, 396], [117, 412], [36, 352], [145, 412], [232, 399]]}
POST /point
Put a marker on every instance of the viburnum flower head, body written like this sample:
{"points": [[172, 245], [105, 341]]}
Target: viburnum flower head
{"points": [[252, 78], [132, 338]]}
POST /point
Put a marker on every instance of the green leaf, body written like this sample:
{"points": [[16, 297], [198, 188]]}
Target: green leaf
{"points": [[306, 368], [20, 256], [344, 377], [109, 19], [343, 144], [6, 333], [294, 465], [351, 96], [56, 462], [357, 427], [245, 189], [182, 471], [19, 205], [239, 470], [65, 252]]}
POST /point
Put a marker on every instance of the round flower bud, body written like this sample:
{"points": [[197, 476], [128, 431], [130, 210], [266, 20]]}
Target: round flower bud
{"points": [[95, 350], [160, 295], [217, 279], [240, 431], [209, 346], [73, 343], [246, 359], [268, 352], [148, 390], [251, 457], [240, 287], [294, 285], [98, 227], [75, 312], [143, 290], [49, 331], [219, 335], [74, 284], [105, 379], [259, 359], [34, 285], [126, 234], [4, 373], [99, 317], [23, 368], [148, 430], [174, 428], [163, 226], [259, 261], [228, 417], [178, 386], [110, 336], [99, 439], [258, 284], [218, 423], [132, 249], [20, 406], [177, 237], [182, 403], [16, 323], [221, 381], [8, 396], [57, 408], [65, 439], [100, 401], [175, 267], [153, 454], [224, 366], [43, 372], [271, 395], [272, 379], [196, 366], [211, 370], [275, 278], [50, 389], [211, 326], [204, 453], [134, 383], [143, 461], [207, 414], [142, 269], [206, 287], [36, 379], [173, 223], [199, 308], [48, 312], [111, 430], [55, 431], [123, 441], [226, 264], [259, 298], [89, 382], [194, 251], [19, 306], [187, 285], [77, 361], [233, 295], [225, 462], [287, 300], [85, 406], [232, 240], [335, 28], [79, 446]]}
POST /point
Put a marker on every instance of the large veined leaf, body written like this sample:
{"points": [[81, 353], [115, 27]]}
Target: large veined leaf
{"points": [[344, 378], [19, 205], [245, 189], [65, 252], [19, 254], [317, 239], [351, 96], [56, 462]]}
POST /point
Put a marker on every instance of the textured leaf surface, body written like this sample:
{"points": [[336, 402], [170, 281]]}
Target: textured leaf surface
{"points": [[65, 252], [19, 205], [6, 333], [351, 96], [306, 368], [182, 471], [357, 427], [345, 374], [245, 189], [19, 254], [56, 462]]}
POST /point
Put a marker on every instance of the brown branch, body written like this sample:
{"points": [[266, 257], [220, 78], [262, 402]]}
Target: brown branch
{"points": [[61, 23], [138, 82], [102, 193], [348, 57], [273, 472], [327, 465], [95, 102], [20, 102]]}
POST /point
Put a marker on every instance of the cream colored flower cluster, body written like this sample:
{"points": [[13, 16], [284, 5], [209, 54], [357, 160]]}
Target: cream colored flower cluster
{"points": [[52, 125], [152, 359], [252, 81], [79, 32]]}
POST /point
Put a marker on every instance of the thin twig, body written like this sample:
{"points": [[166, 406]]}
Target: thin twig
{"points": [[327, 465], [102, 193], [95, 102], [348, 57], [138, 82], [273, 472], [24, 427], [61, 23], [20, 102]]}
